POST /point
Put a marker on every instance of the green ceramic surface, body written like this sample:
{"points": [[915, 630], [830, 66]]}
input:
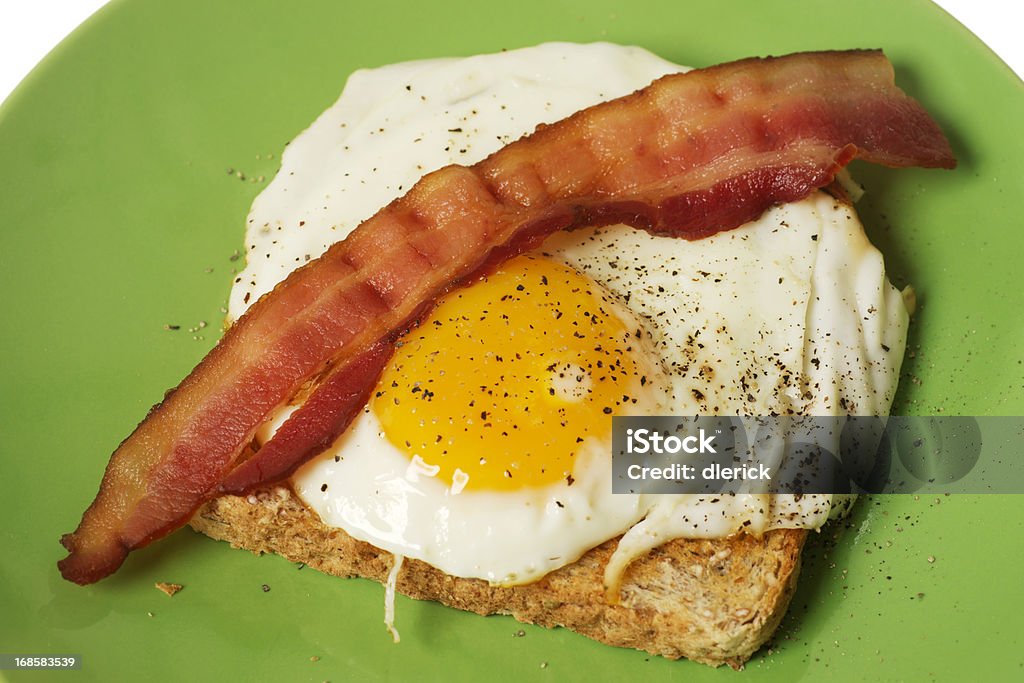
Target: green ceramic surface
{"points": [[118, 218]]}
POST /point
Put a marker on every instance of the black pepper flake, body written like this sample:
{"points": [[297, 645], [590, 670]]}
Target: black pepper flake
{"points": [[266, 588]]}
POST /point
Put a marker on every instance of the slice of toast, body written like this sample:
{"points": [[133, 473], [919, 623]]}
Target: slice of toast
{"points": [[712, 601]]}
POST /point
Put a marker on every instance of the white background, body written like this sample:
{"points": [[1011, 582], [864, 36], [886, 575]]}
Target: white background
{"points": [[31, 28]]}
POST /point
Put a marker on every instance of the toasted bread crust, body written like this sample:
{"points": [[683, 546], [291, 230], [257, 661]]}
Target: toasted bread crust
{"points": [[712, 601]]}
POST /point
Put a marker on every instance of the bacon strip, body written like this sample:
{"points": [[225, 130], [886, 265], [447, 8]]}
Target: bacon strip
{"points": [[690, 155], [316, 424]]}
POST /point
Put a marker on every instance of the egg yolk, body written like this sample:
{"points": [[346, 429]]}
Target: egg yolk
{"points": [[499, 388]]}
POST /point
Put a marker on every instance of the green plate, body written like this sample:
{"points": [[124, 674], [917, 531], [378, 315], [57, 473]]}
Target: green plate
{"points": [[118, 218]]}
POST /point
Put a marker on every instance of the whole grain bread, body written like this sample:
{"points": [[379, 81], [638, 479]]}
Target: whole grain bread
{"points": [[712, 601]]}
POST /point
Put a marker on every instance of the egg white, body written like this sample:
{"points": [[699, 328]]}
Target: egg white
{"points": [[789, 313]]}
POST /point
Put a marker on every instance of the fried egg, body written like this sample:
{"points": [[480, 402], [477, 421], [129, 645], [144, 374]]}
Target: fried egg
{"points": [[485, 449]]}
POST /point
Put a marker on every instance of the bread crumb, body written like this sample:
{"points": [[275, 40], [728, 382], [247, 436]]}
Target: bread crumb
{"points": [[168, 589]]}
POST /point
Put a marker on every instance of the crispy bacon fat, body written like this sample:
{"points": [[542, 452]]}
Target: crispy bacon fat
{"points": [[690, 155]]}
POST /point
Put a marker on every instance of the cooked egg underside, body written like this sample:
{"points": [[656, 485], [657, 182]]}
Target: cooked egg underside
{"points": [[486, 448]]}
